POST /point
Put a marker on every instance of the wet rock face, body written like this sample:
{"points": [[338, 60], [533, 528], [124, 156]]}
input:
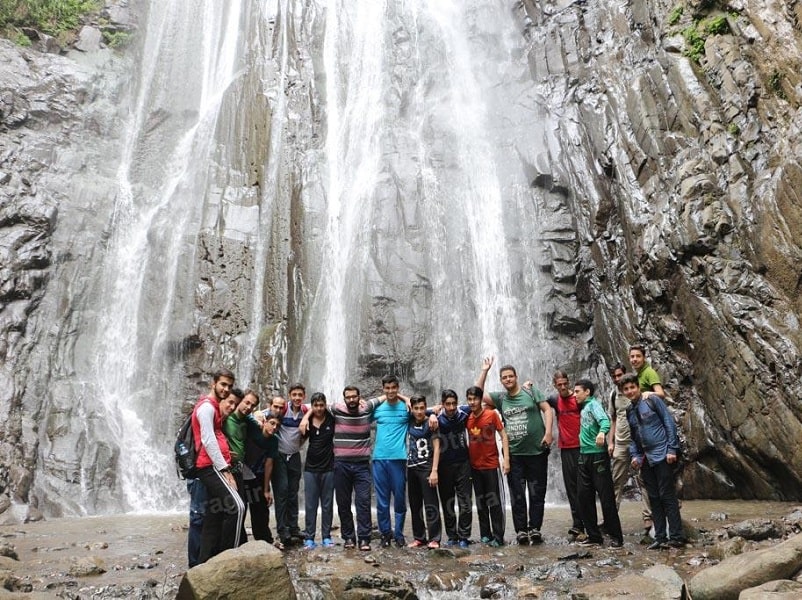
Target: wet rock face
{"points": [[667, 201], [50, 226], [681, 196]]}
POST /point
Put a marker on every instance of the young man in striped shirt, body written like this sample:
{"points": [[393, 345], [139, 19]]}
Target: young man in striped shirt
{"points": [[352, 476]]}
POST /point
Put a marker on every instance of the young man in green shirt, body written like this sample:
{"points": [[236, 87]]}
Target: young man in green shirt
{"points": [[594, 475], [648, 379], [649, 383], [528, 420]]}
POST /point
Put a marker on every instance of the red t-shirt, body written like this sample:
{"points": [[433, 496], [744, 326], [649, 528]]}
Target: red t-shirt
{"points": [[568, 412], [482, 448]]}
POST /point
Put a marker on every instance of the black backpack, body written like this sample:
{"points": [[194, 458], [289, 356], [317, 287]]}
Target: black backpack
{"points": [[185, 453]]}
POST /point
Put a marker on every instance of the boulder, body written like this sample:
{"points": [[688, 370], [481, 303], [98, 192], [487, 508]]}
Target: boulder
{"points": [[379, 586], [782, 589], [239, 573], [756, 530], [727, 548], [8, 550], [86, 566], [659, 582], [727, 579]]}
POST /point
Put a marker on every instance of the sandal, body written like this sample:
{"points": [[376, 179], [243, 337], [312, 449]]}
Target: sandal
{"points": [[364, 546]]}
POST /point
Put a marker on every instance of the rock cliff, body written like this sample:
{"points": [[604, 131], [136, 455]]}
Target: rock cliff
{"points": [[666, 186]]}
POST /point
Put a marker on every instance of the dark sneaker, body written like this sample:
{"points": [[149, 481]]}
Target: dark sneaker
{"points": [[386, 541], [535, 537], [675, 543], [495, 544], [486, 540], [400, 541], [451, 543], [616, 543], [575, 532], [464, 543], [588, 542], [657, 545], [522, 538]]}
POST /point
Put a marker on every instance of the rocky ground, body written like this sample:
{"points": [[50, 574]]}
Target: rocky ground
{"points": [[143, 556]]}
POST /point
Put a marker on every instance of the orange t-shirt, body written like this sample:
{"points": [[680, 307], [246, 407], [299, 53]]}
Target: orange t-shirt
{"points": [[482, 447]]}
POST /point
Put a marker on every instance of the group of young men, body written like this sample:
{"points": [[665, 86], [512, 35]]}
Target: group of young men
{"points": [[436, 457]]}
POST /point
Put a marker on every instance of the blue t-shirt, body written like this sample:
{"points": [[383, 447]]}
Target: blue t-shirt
{"points": [[392, 420]]}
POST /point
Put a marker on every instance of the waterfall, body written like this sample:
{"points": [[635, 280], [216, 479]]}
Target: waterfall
{"points": [[428, 220], [149, 263], [321, 191]]}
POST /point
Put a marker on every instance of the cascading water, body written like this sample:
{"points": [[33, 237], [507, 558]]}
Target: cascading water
{"points": [[427, 223], [149, 264], [323, 191]]}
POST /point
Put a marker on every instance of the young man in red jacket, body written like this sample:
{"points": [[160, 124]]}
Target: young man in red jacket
{"points": [[225, 510]]}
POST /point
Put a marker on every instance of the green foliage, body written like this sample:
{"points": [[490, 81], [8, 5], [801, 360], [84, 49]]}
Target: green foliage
{"points": [[675, 15], [694, 43], [717, 25], [21, 39], [49, 16], [734, 129], [116, 39], [696, 34]]}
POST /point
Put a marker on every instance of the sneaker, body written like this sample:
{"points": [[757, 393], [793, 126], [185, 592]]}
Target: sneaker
{"points": [[575, 532], [327, 543], [535, 537], [486, 540], [616, 543], [657, 545], [675, 543], [433, 545], [386, 540], [416, 544], [309, 544], [350, 544], [464, 543], [522, 538], [588, 542], [400, 541], [495, 544], [451, 543]]}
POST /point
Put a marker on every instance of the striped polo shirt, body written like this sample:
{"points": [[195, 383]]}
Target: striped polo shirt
{"points": [[352, 431]]}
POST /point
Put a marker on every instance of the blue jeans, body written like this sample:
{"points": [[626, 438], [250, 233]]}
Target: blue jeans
{"points": [[197, 510], [318, 489], [390, 477], [352, 481]]}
